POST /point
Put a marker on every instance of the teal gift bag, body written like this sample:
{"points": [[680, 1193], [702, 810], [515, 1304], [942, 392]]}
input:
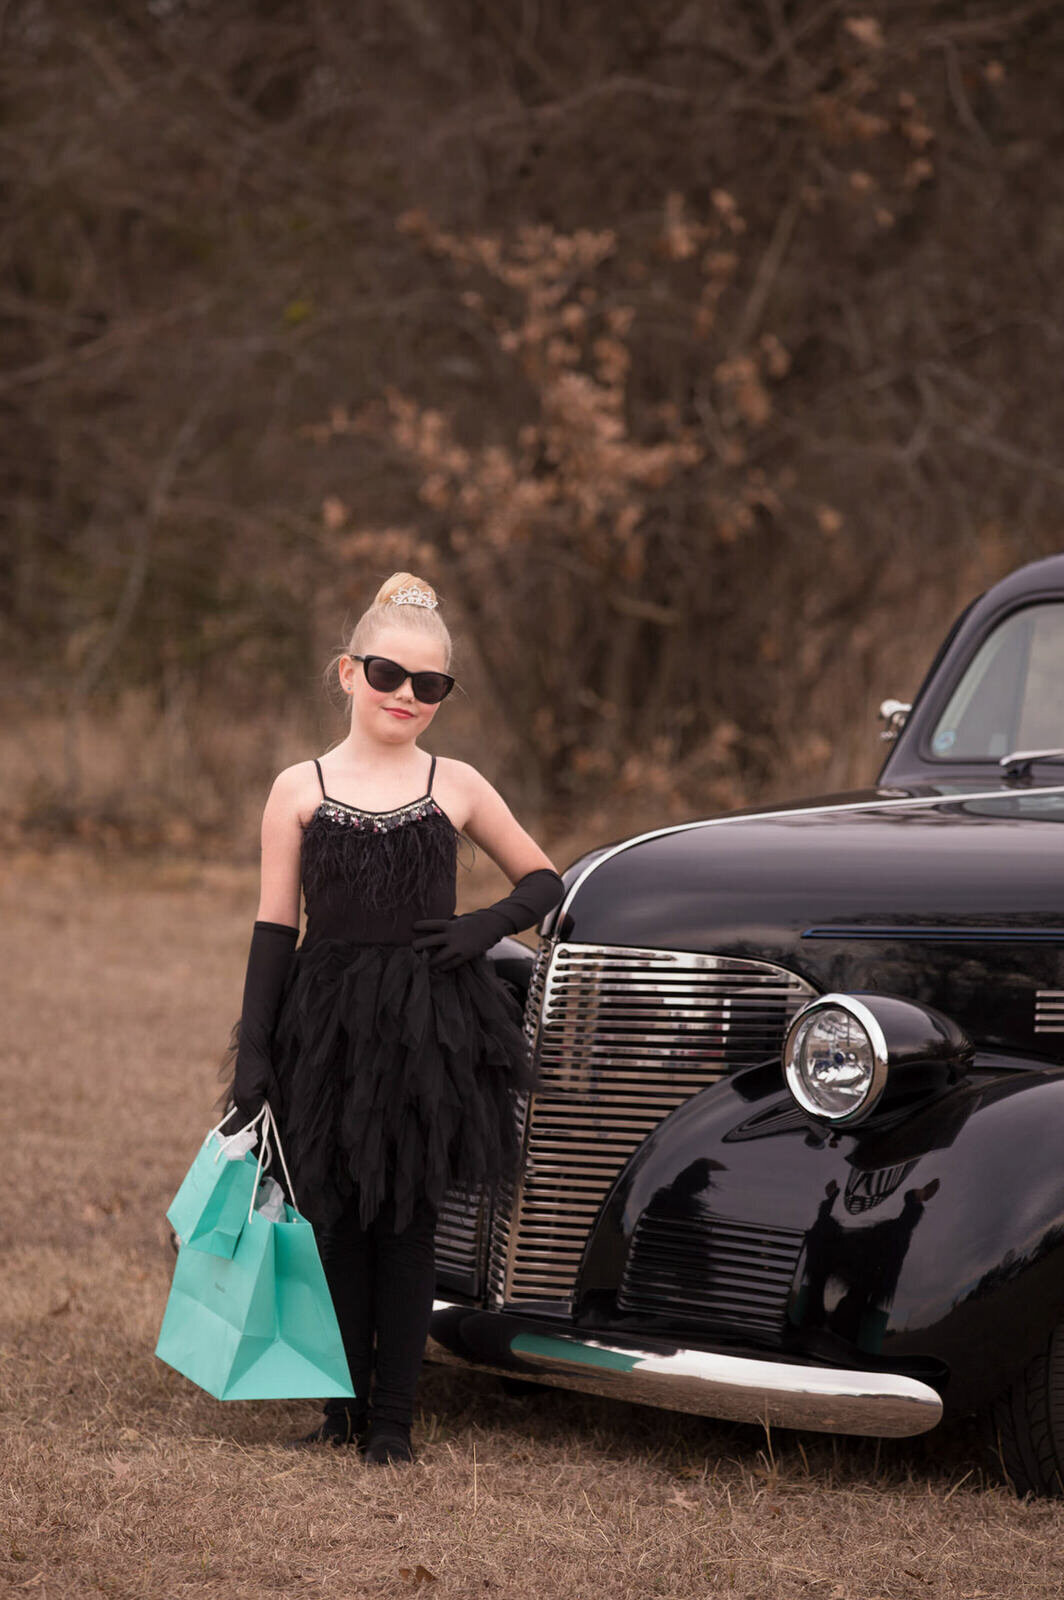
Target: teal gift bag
{"points": [[259, 1325], [207, 1212]]}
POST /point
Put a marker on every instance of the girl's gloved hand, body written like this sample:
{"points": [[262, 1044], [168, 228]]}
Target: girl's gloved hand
{"points": [[453, 940]]}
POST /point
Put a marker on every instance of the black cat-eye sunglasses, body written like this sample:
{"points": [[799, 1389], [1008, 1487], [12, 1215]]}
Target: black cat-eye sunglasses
{"points": [[385, 676]]}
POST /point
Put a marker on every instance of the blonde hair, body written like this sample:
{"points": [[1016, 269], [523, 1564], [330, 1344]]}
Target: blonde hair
{"points": [[382, 613]]}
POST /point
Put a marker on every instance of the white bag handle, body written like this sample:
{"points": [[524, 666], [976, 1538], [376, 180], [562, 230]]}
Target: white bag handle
{"points": [[269, 1122], [226, 1138]]}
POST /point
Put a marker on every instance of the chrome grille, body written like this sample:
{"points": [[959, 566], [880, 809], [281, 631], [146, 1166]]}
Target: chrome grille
{"points": [[622, 1037], [711, 1271], [506, 1197], [1049, 1011], [460, 1241]]}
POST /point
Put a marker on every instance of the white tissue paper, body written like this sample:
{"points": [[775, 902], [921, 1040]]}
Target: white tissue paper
{"points": [[235, 1146], [270, 1200]]}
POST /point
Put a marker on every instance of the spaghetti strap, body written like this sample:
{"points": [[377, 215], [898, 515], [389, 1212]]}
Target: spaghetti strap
{"points": [[321, 780], [432, 769]]}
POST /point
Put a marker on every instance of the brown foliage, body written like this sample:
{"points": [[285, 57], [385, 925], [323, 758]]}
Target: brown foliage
{"points": [[705, 356]]}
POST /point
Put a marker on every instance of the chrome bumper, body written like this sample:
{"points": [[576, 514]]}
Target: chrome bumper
{"points": [[740, 1388]]}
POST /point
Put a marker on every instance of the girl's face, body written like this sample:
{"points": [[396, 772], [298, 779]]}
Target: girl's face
{"points": [[395, 716]]}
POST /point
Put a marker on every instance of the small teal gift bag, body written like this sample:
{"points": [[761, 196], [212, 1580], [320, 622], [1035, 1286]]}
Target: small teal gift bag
{"points": [[259, 1325], [207, 1212]]}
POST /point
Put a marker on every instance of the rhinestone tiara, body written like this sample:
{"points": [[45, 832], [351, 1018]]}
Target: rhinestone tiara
{"points": [[412, 596]]}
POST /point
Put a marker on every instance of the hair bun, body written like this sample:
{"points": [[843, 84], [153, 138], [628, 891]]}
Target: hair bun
{"points": [[403, 580], [417, 611]]}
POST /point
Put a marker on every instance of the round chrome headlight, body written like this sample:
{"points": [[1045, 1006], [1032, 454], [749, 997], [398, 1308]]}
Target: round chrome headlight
{"points": [[835, 1058]]}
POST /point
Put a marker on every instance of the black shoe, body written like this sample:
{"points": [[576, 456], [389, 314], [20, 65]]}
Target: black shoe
{"points": [[339, 1428], [389, 1445]]}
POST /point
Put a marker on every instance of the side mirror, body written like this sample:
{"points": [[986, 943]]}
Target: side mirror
{"points": [[893, 713]]}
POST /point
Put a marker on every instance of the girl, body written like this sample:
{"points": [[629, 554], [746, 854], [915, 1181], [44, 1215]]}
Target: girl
{"points": [[389, 1050]]}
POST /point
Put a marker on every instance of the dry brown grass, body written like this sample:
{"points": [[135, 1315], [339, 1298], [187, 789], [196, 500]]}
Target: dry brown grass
{"points": [[120, 1478]]}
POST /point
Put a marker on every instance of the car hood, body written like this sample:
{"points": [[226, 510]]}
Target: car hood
{"points": [[774, 884]]}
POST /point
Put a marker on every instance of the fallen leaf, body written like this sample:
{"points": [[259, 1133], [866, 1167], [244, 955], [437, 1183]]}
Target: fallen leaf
{"points": [[119, 1467]]}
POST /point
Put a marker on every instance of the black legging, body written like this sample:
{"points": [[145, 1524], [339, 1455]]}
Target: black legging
{"points": [[382, 1284]]}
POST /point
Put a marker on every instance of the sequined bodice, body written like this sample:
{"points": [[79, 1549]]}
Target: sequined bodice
{"points": [[376, 821], [369, 875]]}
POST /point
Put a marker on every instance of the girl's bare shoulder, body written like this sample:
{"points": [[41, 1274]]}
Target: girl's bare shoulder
{"points": [[295, 791], [454, 768], [460, 776], [457, 786]]}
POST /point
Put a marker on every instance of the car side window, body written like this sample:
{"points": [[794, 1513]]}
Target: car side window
{"points": [[1011, 697]]}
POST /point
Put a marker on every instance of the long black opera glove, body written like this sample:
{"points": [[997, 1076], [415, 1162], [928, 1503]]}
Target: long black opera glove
{"points": [[453, 940], [269, 958]]}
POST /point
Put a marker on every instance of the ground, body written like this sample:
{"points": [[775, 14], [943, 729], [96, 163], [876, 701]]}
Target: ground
{"points": [[119, 982]]}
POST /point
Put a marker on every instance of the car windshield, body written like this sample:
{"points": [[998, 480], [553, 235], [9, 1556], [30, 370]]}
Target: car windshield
{"points": [[1012, 695]]}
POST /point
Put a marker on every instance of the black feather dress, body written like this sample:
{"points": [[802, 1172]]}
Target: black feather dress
{"points": [[391, 1078]]}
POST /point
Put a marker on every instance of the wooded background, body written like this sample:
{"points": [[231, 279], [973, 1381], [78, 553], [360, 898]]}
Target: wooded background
{"points": [[705, 354]]}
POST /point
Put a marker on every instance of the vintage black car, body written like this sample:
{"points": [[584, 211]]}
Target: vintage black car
{"points": [[799, 1157]]}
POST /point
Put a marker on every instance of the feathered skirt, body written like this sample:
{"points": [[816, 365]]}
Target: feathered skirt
{"points": [[394, 1079]]}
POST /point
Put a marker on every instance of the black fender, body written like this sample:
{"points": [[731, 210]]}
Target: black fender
{"points": [[513, 962], [929, 1240]]}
